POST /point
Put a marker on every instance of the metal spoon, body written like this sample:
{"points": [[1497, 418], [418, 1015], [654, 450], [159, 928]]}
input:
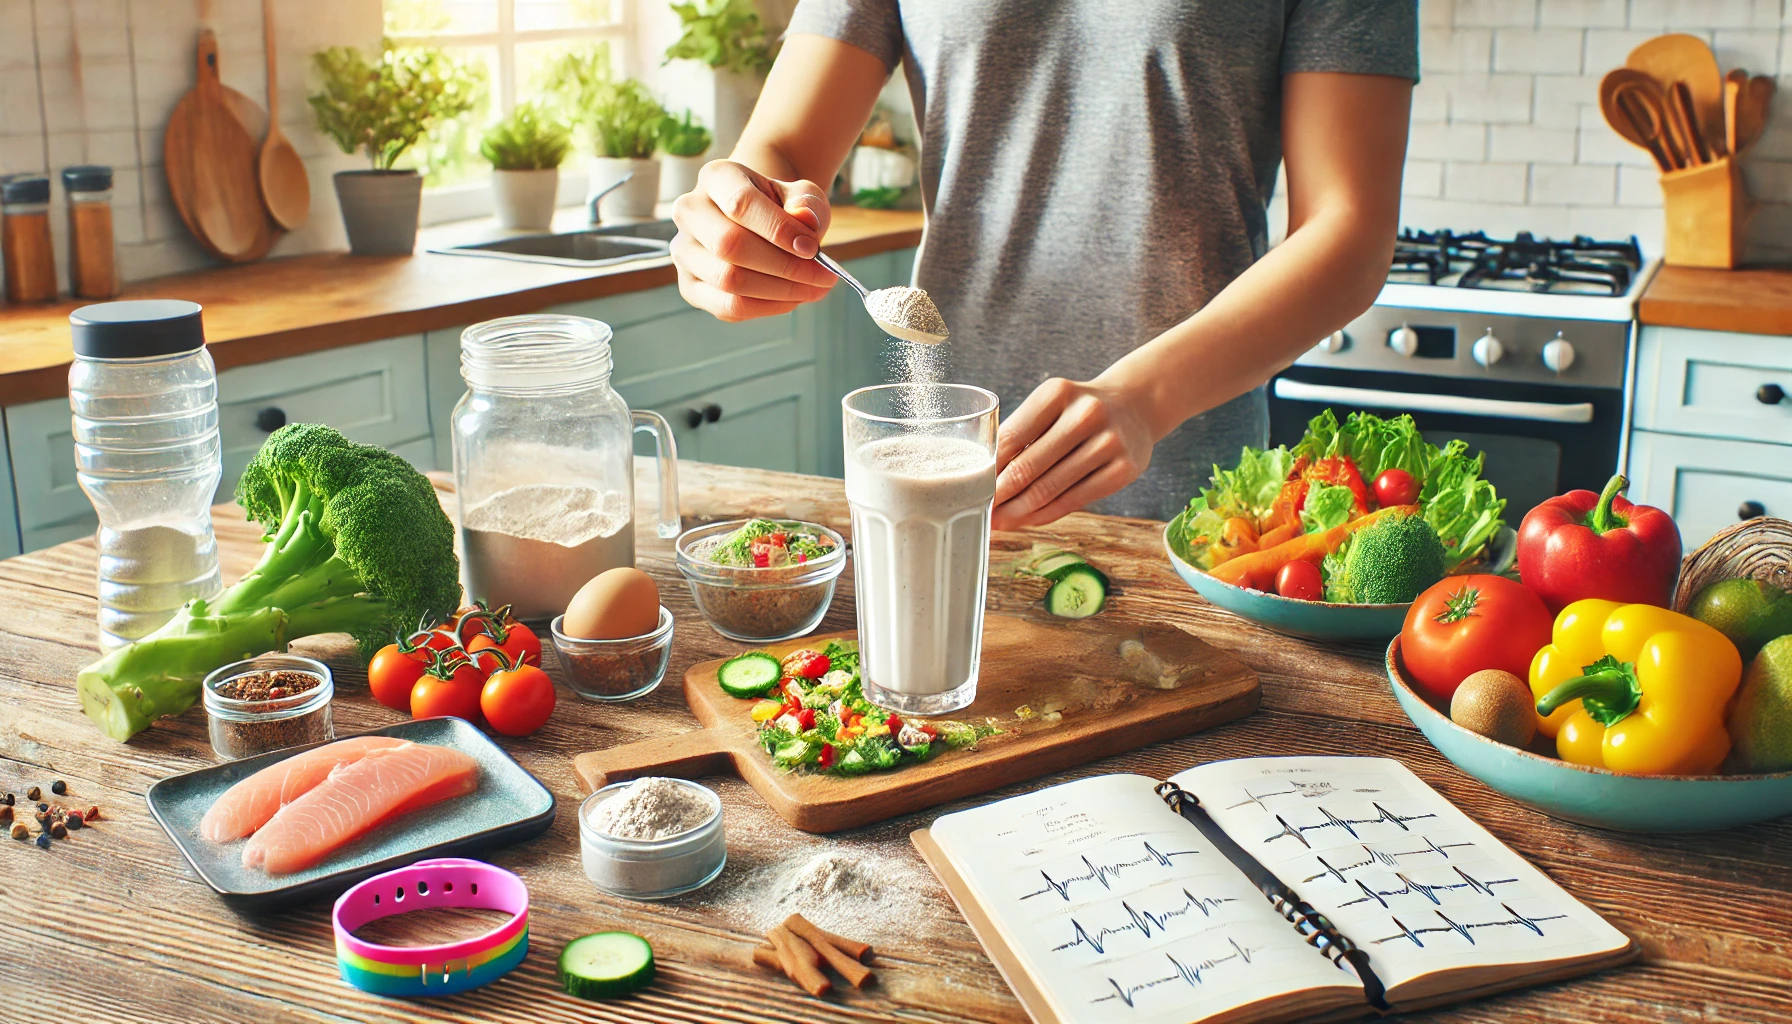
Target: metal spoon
{"points": [[895, 329]]}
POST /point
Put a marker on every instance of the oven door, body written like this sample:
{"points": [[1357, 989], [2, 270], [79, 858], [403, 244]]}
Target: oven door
{"points": [[1540, 440]]}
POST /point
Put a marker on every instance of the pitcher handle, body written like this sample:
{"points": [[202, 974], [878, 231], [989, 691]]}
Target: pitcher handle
{"points": [[665, 450]]}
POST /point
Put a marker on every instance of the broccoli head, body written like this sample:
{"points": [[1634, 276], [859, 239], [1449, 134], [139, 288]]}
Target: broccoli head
{"points": [[1391, 561], [357, 543]]}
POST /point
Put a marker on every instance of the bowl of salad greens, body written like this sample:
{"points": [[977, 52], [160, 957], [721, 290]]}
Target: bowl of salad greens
{"points": [[1333, 538]]}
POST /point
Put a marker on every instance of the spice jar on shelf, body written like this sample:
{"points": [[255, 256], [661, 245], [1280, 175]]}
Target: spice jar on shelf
{"points": [[25, 238], [92, 250]]}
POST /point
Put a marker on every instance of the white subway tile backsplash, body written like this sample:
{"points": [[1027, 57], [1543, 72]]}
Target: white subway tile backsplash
{"points": [[1523, 143], [1759, 52], [1599, 144], [1430, 100], [1607, 48], [1423, 178], [1456, 50], [1446, 142], [1494, 183], [1491, 99], [1574, 185], [1496, 13], [1639, 186], [1680, 15], [1537, 50], [1583, 13]]}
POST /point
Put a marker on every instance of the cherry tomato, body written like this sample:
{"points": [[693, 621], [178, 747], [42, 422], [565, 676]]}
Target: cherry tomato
{"points": [[1300, 580], [426, 640], [391, 675], [1395, 487], [516, 640], [1467, 623], [450, 687], [517, 701], [806, 664]]}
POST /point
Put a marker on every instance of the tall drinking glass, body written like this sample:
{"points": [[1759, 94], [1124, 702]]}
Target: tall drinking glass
{"points": [[920, 482]]}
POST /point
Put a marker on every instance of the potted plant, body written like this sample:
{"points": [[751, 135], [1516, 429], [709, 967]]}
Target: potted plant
{"points": [[684, 143], [728, 40], [625, 125], [383, 109], [526, 150]]}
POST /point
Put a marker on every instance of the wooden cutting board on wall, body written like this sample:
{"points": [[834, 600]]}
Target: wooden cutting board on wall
{"points": [[1116, 685]]}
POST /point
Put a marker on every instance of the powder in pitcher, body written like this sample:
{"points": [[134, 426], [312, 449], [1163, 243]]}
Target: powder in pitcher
{"points": [[907, 313], [565, 514], [651, 809]]}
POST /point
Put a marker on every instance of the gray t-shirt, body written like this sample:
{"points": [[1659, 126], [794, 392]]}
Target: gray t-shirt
{"points": [[1094, 171]]}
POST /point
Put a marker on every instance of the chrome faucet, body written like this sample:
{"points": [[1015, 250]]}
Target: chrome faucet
{"points": [[596, 197]]}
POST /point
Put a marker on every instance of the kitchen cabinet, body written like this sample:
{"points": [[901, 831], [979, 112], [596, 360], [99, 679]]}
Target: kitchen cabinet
{"points": [[1712, 427], [766, 422], [9, 509]]}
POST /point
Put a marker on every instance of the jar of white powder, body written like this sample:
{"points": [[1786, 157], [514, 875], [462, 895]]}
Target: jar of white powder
{"points": [[652, 839]]}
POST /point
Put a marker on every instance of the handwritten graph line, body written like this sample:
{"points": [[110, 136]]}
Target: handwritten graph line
{"points": [[1102, 872], [1310, 790], [1382, 814], [1144, 922], [1190, 973], [1385, 859], [1467, 930], [1410, 887]]}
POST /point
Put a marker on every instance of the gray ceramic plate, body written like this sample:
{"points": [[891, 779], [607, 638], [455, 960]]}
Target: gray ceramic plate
{"points": [[510, 805]]}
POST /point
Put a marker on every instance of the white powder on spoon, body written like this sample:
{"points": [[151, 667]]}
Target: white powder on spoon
{"points": [[907, 314]]}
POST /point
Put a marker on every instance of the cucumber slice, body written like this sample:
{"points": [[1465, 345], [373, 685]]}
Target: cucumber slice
{"points": [[749, 675], [1055, 565], [1079, 594], [605, 965]]}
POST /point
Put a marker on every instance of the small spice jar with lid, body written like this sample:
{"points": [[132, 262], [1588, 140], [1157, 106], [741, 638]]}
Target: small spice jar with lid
{"points": [[92, 249], [25, 238], [652, 839], [268, 703]]}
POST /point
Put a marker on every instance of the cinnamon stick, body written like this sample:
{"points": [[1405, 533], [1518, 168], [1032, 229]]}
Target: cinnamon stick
{"points": [[854, 972], [795, 954], [800, 925], [767, 956]]}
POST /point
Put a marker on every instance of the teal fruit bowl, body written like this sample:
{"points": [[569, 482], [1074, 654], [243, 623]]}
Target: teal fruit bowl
{"points": [[1594, 796], [1316, 620]]}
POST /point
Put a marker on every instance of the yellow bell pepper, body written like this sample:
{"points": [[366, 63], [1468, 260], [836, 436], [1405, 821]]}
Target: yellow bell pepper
{"points": [[1635, 688]]}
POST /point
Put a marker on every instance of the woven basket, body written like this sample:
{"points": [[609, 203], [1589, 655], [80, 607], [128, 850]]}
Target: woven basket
{"points": [[1756, 548]]}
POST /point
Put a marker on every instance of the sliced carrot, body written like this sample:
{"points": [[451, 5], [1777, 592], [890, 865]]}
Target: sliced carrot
{"points": [[1257, 570]]}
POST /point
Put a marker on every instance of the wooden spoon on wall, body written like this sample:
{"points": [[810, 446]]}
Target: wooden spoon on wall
{"points": [[211, 162], [1682, 58], [284, 186]]}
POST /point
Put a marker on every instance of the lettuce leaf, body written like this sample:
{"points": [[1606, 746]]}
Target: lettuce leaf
{"points": [[1328, 505], [1246, 490]]}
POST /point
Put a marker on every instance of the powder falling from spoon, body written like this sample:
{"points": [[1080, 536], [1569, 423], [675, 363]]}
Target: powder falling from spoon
{"points": [[907, 314]]}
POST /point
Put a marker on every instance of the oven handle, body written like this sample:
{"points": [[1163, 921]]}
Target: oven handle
{"points": [[1545, 412]]}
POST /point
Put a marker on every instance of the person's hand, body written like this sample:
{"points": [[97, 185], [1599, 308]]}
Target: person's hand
{"points": [[1070, 443], [746, 243]]}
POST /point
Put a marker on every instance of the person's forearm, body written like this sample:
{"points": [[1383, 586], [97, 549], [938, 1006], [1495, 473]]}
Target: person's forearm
{"points": [[1323, 275], [815, 101]]}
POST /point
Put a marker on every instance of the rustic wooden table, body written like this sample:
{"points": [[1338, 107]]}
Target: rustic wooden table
{"points": [[111, 925]]}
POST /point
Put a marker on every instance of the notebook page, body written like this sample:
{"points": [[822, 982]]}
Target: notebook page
{"points": [[1121, 910], [1398, 869]]}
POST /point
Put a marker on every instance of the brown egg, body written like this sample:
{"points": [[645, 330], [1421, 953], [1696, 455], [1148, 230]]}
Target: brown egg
{"points": [[617, 604]]}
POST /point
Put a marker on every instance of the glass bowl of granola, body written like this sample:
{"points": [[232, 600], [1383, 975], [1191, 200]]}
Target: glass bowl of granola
{"points": [[759, 581]]}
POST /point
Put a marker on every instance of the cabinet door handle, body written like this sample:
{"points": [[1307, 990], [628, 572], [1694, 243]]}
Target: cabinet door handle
{"points": [[712, 412], [1750, 510], [1770, 394], [270, 419], [693, 418]]}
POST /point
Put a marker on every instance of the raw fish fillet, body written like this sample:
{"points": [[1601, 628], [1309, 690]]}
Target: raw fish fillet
{"points": [[249, 804], [357, 798]]}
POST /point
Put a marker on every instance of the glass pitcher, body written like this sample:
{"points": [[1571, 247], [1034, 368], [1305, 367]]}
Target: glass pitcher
{"points": [[544, 463]]}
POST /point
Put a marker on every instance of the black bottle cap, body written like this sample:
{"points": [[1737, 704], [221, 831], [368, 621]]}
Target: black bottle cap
{"points": [[137, 329], [86, 178], [24, 189]]}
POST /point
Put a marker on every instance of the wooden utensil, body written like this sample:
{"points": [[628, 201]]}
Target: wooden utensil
{"points": [[1688, 117], [1624, 100], [1683, 58], [1117, 685], [1734, 83], [1751, 110], [285, 188], [211, 163]]}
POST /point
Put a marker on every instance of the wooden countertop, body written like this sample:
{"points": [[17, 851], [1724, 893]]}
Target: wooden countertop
{"points": [[284, 307], [1743, 301], [111, 925]]}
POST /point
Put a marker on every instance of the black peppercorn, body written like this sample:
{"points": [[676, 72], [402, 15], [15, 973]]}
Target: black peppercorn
{"points": [[75, 820], [59, 787], [43, 807], [9, 799]]}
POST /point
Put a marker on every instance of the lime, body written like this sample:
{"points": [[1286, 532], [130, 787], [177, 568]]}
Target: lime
{"points": [[1761, 721], [1747, 611]]}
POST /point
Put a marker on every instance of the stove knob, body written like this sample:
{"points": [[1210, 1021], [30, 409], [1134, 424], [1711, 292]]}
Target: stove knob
{"points": [[1333, 342], [1558, 354], [1404, 340], [1488, 349]]}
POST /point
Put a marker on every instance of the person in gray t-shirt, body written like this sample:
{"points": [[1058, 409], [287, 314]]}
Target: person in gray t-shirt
{"points": [[1095, 175]]}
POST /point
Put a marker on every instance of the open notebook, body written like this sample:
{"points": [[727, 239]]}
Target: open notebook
{"points": [[1099, 902]]}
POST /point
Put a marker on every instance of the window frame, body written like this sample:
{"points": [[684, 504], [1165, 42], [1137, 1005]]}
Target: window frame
{"points": [[470, 200]]}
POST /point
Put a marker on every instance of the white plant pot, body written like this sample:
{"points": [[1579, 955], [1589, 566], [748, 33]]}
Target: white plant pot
{"points": [[633, 201], [678, 175], [525, 199]]}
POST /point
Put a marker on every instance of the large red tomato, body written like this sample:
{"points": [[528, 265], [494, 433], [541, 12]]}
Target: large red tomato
{"points": [[1467, 623]]}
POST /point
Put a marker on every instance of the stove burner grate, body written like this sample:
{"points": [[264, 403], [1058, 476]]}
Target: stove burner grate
{"points": [[1580, 265]]}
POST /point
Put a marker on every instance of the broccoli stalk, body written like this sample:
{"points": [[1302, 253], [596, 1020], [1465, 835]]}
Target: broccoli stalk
{"points": [[357, 543]]}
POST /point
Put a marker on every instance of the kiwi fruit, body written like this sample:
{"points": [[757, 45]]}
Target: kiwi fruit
{"points": [[1496, 704]]}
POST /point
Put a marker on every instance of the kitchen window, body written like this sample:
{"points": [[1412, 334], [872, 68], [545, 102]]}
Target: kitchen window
{"points": [[512, 44]]}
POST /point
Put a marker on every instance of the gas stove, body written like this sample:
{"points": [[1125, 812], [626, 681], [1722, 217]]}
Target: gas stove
{"points": [[1580, 279]]}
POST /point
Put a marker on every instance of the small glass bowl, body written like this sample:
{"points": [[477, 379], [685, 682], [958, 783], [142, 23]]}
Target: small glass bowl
{"points": [[244, 728], [761, 606], [652, 869], [615, 670]]}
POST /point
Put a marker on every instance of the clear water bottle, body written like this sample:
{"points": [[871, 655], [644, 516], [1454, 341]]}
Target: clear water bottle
{"points": [[145, 400]]}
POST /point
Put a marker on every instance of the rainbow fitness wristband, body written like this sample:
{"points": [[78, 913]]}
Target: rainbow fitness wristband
{"points": [[432, 970]]}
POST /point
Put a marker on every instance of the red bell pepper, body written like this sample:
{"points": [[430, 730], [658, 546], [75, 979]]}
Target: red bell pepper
{"points": [[1582, 545]]}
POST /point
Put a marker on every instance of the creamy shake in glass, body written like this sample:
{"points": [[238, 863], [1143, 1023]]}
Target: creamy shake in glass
{"points": [[920, 482]]}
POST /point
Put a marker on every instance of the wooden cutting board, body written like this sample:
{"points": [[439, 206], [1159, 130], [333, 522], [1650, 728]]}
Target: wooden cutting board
{"points": [[211, 163], [1117, 685]]}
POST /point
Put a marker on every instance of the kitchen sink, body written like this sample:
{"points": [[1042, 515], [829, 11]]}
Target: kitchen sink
{"points": [[594, 247]]}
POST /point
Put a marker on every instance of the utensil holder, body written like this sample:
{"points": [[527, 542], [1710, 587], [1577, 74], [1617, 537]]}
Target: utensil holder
{"points": [[1707, 211]]}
